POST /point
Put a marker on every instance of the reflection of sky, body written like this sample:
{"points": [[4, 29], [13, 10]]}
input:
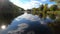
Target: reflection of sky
{"points": [[27, 20], [28, 4]]}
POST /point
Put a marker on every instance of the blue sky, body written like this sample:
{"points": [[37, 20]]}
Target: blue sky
{"points": [[28, 4]]}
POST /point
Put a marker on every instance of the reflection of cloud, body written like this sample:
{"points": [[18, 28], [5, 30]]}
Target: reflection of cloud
{"points": [[23, 25], [31, 32], [28, 17]]}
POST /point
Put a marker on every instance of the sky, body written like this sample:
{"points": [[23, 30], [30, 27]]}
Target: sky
{"points": [[28, 4]]}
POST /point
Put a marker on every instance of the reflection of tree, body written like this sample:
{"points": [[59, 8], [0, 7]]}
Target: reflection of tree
{"points": [[55, 26], [31, 32], [52, 16]]}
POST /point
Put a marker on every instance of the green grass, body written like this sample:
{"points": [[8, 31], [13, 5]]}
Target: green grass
{"points": [[58, 12]]}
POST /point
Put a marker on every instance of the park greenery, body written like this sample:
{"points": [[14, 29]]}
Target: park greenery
{"points": [[52, 11], [9, 11]]}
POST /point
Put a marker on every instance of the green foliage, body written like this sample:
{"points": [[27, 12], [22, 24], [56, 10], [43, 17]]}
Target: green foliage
{"points": [[41, 7], [53, 8], [45, 7], [35, 11], [44, 10]]}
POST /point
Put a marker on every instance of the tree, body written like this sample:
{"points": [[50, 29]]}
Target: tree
{"points": [[45, 10], [41, 7], [53, 8]]}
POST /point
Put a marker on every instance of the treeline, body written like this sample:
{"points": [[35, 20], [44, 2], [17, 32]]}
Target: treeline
{"points": [[46, 10]]}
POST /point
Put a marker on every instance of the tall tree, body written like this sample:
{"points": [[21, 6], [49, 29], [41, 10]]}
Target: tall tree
{"points": [[45, 10]]}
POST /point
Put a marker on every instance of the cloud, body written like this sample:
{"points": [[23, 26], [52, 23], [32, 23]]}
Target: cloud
{"points": [[28, 4], [43, 0], [31, 4], [50, 5]]}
